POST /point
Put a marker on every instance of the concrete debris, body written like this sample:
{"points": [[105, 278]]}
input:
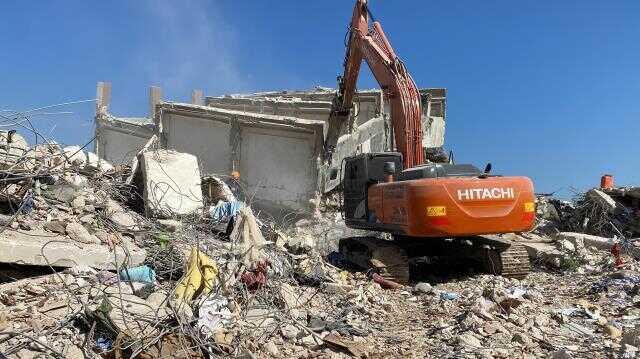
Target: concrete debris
{"points": [[423, 287], [604, 212], [13, 148], [249, 285], [77, 232], [54, 200], [75, 155], [171, 183]]}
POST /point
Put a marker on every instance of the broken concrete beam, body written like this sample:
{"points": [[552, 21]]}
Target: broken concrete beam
{"points": [[602, 198], [40, 248], [171, 183], [586, 240]]}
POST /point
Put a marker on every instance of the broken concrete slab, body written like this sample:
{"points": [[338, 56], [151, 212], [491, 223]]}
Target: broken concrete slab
{"points": [[586, 240], [543, 251], [41, 248], [171, 183], [131, 314]]}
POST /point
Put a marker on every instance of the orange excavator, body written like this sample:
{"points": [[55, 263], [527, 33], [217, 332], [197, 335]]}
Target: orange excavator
{"points": [[429, 209]]}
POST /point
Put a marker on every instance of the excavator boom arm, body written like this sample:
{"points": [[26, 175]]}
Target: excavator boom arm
{"points": [[372, 45]]}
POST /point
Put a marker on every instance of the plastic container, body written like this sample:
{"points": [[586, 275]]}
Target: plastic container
{"points": [[606, 182]]}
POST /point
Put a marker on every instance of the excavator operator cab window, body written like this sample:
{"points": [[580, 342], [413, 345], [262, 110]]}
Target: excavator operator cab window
{"points": [[361, 172], [354, 186], [353, 173]]}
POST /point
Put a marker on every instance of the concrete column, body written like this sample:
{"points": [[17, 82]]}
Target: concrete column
{"points": [[197, 97], [103, 97], [235, 141], [155, 97]]}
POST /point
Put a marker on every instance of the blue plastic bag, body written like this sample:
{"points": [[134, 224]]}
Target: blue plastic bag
{"points": [[142, 274]]}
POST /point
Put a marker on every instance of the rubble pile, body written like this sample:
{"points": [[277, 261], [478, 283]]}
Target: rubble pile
{"points": [[608, 212], [605, 212], [157, 260]]}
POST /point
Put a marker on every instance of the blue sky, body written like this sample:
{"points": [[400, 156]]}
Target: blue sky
{"points": [[547, 89]]}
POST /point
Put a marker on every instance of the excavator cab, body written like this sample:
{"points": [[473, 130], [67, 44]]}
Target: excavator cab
{"points": [[360, 172]]}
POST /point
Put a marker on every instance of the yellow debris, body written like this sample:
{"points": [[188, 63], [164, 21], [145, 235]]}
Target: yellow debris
{"points": [[199, 278]]}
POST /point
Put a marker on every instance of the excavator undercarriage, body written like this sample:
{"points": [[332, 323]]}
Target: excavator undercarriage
{"points": [[393, 259]]}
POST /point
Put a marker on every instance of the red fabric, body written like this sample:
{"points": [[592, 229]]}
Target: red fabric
{"points": [[385, 283], [257, 277], [615, 251]]}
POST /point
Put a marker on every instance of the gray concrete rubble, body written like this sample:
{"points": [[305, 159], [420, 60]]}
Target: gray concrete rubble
{"points": [[174, 255], [603, 212], [41, 248], [123, 264], [171, 183], [53, 206]]}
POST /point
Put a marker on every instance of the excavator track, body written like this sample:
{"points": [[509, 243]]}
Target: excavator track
{"points": [[391, 259], [508, 259], [386, 258]]}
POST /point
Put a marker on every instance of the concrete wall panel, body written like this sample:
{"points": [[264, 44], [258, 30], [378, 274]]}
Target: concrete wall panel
{"points": [[118, 141], [206, 138], [279, 166]]}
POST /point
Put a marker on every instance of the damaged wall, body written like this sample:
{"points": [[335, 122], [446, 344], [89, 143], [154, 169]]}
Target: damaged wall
{"points": [[275, 155], [119, 139], [434, 102], [274, 139], [314, 105]]}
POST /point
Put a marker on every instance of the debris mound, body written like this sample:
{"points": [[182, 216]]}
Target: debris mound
{"points": [[156, 260]]}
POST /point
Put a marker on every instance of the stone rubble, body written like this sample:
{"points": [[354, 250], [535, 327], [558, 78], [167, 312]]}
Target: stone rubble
{"points": [[173, 283]]}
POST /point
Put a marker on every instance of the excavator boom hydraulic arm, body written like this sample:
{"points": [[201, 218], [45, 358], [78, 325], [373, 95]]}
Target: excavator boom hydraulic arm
{"points": [[371, 44]]}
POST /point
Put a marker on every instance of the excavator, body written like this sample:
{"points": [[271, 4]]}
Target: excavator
{"points": [[428, 209]]}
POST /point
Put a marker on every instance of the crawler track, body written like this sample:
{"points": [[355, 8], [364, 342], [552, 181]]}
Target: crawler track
{"points": [[509, 261], [391, 258]]}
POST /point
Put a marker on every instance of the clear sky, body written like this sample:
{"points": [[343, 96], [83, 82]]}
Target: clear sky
{"points": [[547, 89]]}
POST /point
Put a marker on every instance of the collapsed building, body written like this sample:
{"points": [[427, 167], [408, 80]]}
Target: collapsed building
{"points": [[274, 139], [87, 271]]}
